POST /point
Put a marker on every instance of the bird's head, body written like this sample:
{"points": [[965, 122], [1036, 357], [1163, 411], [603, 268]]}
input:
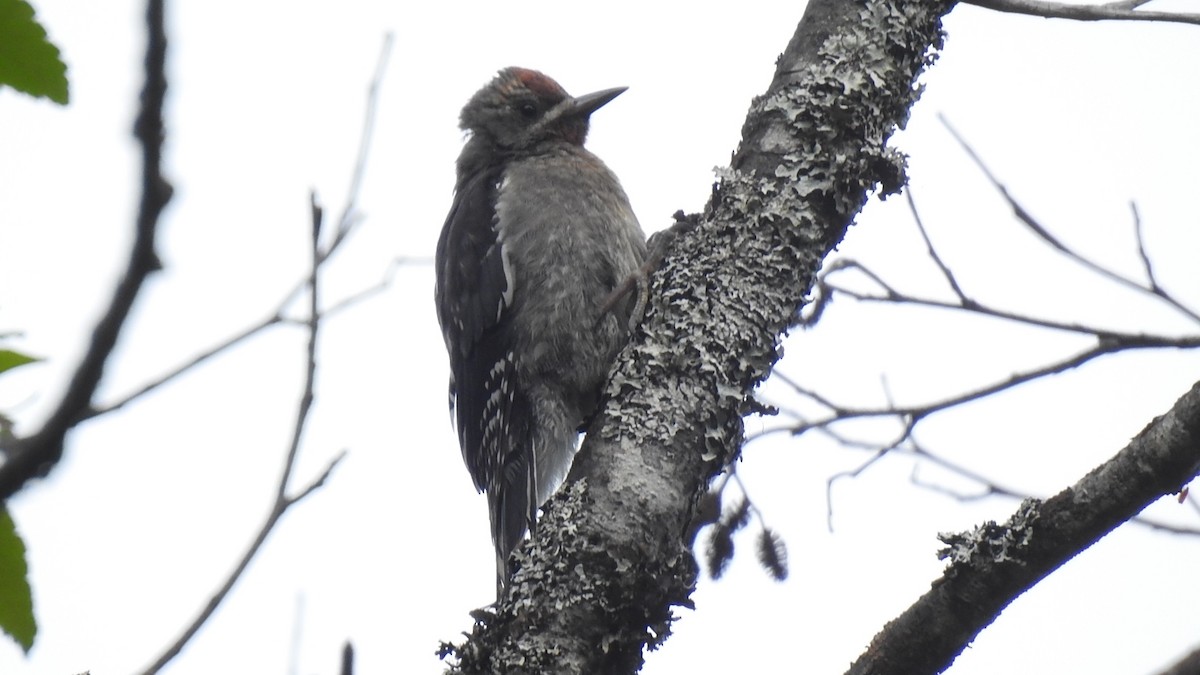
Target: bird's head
{"points": [[522, 108]]}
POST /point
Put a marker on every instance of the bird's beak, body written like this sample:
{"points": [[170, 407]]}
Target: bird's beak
{"points": [[582, 106]]}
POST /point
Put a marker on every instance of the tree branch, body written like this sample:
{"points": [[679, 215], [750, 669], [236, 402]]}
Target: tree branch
{"points": [[283, 501], [911, 415], [346, 226], [1026, 218], [1188, 665], [37, 454], [275, 319], [1111, 11], [1104, 342], [990, 567]]}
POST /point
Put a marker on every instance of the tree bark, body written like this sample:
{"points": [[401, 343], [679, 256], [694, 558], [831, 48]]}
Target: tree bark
{"points": [[992, 566], [609, 561]]}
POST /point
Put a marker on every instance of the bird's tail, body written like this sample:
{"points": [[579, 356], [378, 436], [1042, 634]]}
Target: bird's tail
{"points": [[513, 509]]}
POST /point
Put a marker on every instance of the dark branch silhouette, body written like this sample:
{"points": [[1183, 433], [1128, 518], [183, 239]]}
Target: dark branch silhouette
{"points": [[992, 566], [1188, 665], [36, 455]]}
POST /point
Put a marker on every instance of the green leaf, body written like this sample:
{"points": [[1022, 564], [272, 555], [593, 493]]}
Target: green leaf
{"points": [[29, 62], [16, 599], [10, 359]]}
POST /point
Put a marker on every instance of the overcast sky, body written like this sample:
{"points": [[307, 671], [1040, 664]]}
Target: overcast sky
{"points": [[154, 504]]}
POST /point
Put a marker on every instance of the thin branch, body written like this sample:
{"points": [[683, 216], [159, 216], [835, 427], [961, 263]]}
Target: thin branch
{"points": [[348, 219], [843, 264], [879, 453], [1113, 11], [891, 295], [319, 256], [1038, 229], [37, 454], [801, 389], [310, 371], [204, 356], [991, 488], [1147, 267], [273, 517], [346, 225], [1105, 342], [906, 435], [915, 413], [937, 259], [907, 444], [274, 319], [282, 500]]}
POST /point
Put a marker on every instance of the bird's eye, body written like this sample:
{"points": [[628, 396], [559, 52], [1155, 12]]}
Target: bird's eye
{"points": [[528, 110]]}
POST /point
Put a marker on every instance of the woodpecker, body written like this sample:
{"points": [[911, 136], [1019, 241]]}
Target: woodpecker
{"points": [[538, 237]]}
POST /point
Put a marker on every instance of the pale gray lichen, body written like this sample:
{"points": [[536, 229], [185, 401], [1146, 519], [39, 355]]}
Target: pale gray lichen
{"points": [[815, 148], [991, 543]]}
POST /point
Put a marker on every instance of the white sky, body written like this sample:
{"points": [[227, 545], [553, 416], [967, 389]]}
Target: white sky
{"points": [[154, 504]]}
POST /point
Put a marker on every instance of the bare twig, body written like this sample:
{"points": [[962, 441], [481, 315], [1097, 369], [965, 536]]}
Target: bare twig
{"points": [[1038, 229], [282, 500], [310, 372], [1104, 341], [879, 453], [346, 226], [348, 218], [906, 443], [937, 259], [195, 361], [992, 488], [275, 319], [912, 414], [273, 517], [1147, 267], [37, 454], [891, 295], [1111, 11]]}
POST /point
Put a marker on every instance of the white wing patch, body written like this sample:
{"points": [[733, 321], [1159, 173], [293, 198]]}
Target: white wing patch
{"points": [[510, 278]]}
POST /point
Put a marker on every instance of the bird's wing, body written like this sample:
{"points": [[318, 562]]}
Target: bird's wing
{"points": [[475, 286]]}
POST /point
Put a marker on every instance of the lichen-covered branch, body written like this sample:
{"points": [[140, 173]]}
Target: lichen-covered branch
{"points": [[993, 565]]}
